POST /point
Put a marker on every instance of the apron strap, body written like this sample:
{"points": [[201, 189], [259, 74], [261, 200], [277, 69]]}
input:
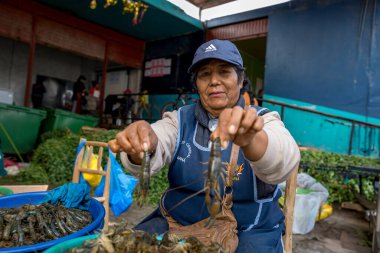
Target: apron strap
{"points": [[227, 198], [171, 221]]}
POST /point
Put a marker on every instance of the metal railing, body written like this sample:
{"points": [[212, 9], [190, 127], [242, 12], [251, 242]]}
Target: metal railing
{"points": [[352, 121]]}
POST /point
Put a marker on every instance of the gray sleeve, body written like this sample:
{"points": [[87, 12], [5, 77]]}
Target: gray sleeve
{"points": [[282, 154], [166, 130]]}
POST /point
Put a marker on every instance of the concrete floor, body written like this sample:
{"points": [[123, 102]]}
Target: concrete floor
{"points": [[345, 231]]}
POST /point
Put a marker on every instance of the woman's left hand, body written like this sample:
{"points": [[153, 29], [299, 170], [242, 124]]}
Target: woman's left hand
{"points": [[243, 127]]}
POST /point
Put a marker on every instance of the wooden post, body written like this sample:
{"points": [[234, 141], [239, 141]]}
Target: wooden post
{"points": [[290, 198], [106, 195], [376, 234], [29, 73], [78, 164], [104, 77]]}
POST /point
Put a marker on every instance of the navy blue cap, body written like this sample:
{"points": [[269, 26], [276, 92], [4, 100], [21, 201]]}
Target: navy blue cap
{"points": [[223, 50]]}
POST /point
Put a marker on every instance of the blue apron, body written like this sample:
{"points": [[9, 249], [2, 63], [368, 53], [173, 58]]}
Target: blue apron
{"points": [[255, 203]]}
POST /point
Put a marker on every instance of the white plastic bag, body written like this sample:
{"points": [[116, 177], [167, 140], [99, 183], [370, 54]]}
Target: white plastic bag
{"points": [[307, 203]]}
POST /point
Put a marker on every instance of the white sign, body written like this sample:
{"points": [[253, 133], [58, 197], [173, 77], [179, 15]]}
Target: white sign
{"points": [[158, 67]]}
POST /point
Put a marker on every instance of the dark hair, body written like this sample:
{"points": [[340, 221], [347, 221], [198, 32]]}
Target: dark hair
{"points": [[240, 73], [247, 86], [40, 79]]}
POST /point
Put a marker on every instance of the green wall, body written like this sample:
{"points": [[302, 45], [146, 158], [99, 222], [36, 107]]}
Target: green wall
{"points": [[254, 68]]}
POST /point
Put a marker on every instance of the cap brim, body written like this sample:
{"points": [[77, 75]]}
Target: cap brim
{"points": [[200, 61]]}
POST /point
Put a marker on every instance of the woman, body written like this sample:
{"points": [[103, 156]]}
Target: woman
{"points": [[267, 153]]}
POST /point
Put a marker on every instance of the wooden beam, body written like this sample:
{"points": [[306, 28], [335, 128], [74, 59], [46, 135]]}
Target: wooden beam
{"points": [[353, 206], [128, 50], [29, 73], [104, 78], [9, 28], [290, 199], [78, 23], [364, 201], [377, 215], [27, 188], [97, 172], [66, 38], [240, 31], [376, 243], [124, 55]]}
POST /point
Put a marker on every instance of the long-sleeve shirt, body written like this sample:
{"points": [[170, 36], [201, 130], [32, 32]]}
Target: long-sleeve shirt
{"points": [[281, 156]]}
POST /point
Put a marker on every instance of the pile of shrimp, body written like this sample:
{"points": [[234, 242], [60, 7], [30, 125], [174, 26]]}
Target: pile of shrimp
{"points": [[31, 224], [121, 239]]}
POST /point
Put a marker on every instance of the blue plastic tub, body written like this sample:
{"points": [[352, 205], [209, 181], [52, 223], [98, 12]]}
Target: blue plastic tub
{"points": [[96, 209]]}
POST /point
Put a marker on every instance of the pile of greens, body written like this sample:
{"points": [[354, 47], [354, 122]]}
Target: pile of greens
{"points": [[53, 161], [334, 172]]}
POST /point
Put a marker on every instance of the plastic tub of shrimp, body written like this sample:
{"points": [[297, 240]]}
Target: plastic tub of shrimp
{"points": [[96, 210]]}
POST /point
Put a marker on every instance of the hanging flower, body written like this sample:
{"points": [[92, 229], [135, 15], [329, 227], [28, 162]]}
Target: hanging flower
{"points": [[129, 6]]}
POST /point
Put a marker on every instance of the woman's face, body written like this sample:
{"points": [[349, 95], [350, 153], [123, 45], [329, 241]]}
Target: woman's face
{"points": [[218, 87]]}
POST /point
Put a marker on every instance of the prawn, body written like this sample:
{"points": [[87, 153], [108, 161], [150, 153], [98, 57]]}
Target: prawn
{"points": [[212, 187], [144, 178]]}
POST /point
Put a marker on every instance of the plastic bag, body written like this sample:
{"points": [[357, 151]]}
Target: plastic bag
{"points": [[325, 211], [81, 178], [310, 196], [121, 187], [92, 179], [71, 195]]}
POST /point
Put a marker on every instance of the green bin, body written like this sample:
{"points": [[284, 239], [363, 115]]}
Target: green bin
{"points": [[5, 191], [60, 119], [19, 127]]}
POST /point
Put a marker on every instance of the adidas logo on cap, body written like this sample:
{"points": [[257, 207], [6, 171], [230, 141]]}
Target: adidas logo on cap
{"points": [[210, 48]]}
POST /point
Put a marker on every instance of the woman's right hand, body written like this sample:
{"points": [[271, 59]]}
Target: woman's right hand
{"points": [[134, 140]]}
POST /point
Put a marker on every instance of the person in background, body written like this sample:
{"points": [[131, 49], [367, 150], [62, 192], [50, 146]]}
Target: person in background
{"points": [[144, 100], [267, 154], [95, 90], [38, 90], [247, 93], [93, 98], [129, 102], [79, 91], [260, 96]]}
